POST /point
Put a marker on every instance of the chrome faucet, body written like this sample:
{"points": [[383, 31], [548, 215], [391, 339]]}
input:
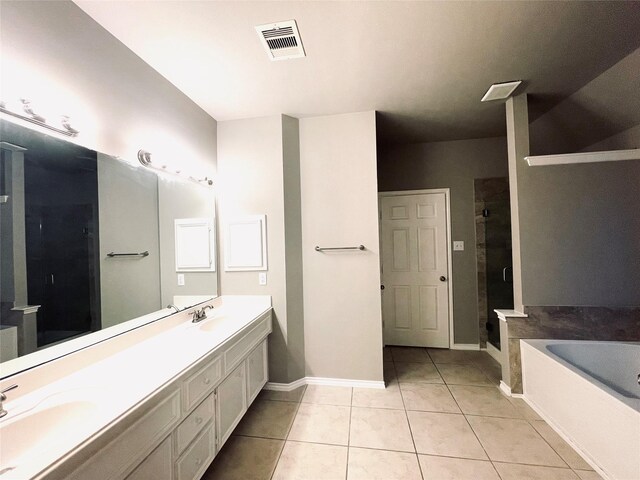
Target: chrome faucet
{"points": [[200, 314], [3, 397], [171, 305]]}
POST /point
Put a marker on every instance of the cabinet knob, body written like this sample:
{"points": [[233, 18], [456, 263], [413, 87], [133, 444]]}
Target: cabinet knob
{"points": [[207, 381], [198, 462], [198, 420]]}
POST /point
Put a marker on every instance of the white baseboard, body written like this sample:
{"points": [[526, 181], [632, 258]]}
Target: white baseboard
{"points": [[335, 382], [465, 346], [285, 387], [505, 388]]}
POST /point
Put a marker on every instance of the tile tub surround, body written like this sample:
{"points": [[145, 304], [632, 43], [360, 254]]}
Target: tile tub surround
{"points": [[567, 323], [419, 428]]}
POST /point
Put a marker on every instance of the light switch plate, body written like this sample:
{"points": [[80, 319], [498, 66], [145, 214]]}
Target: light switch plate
{"points": [[262, 278], [180, 279], [458, 245]]}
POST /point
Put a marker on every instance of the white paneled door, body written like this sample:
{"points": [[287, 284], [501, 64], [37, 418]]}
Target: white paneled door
{"points": [[415, 283]]}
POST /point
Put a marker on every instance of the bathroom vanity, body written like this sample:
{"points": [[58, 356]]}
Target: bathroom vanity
{"points": [[155, 403]]}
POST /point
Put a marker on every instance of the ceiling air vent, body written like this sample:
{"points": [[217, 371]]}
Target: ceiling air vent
{"points": [[500, 91], [281, 40]]}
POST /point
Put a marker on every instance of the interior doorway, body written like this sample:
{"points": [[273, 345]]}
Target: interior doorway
{"points": [[415, 246]]}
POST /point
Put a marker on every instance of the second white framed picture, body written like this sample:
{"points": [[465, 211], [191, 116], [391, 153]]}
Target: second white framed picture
{"points": [[246, 244]]}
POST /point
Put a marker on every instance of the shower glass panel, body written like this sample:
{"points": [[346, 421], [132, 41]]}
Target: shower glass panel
{"points": [[499, 273]]}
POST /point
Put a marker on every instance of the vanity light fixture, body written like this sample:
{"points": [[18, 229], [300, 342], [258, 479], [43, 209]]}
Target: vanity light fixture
{"points": [[144, 157], [30, 114]]}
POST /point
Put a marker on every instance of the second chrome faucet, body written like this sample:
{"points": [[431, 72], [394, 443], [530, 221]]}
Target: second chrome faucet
{"points": [[200, 314]]}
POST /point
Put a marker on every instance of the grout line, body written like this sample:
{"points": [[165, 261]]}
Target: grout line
{"points": [[406, 414], [349, 433]]}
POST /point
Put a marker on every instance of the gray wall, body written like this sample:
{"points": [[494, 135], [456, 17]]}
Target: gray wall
{"points": [[451, 165], [252, 157], [342, 308], [580, 234], [179, 199]]}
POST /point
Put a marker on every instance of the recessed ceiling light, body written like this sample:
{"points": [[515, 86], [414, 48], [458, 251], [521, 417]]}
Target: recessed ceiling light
{"points": [[500, 91]]}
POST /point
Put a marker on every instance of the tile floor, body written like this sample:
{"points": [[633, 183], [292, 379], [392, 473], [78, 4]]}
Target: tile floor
{"points": [[441, 417]]}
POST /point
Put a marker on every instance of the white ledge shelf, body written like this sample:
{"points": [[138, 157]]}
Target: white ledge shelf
{"points": [[586, 157]]}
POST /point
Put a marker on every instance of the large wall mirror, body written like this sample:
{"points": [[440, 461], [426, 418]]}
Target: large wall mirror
{"points": [[88, 243]]}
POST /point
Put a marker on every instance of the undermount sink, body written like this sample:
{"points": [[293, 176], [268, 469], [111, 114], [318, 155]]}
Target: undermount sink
{"points": [[37, 431], [212, 322]]}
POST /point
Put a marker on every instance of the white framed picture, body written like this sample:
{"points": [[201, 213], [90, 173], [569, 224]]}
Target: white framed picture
{"points": [[246, 244], [195, 245]]}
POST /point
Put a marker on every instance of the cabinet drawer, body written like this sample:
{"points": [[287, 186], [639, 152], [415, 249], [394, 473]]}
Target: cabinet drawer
{"points": [[197, 458], [241, 348], [256, 371], [192, 425], [201, 383], [128, 449], [158, 465]]}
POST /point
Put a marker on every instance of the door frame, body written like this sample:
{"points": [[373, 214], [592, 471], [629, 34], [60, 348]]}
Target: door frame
{"points": [[447, 197]]}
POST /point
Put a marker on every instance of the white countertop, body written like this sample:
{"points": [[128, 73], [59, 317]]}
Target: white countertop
{"points": [[94, 396]]}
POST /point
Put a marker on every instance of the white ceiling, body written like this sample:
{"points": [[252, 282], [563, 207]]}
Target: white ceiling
{"points": [[423, 65]]}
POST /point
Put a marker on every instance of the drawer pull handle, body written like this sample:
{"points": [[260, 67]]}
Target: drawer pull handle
{"points": [[207, 381], [198, 420], [198, 462]]}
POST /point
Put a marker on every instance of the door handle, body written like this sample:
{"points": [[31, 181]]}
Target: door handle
{"points": [[443, 278], [381, 287]]}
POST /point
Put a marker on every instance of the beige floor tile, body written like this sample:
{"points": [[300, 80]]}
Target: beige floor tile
{"points": [[365, 464], [378, 398], [321, 424], [386, 354], [513, 440], [292, 396], [487, 401], [523, 409], [268, 419], [428, 398], [309, 461], [454, 374], [494, 374], [444, 434], [380, 428], [561, 447], [417, 372], [244, 458], [410, 355], [588, 475], [327, 395], [443, 355], [444, 468], [483, 360], [512, 471]]}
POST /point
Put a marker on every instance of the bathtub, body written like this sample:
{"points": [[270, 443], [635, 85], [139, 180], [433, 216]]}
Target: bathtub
{"points": [[589, 393]]}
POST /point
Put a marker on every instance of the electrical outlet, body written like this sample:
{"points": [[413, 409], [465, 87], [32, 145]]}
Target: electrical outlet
{"points": [[181, 279], [458, 245], [262, 278]]}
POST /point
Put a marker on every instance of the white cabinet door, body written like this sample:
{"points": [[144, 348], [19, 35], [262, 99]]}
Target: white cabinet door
{"points": [[256, 371], [232, 403], [158, 465]]}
